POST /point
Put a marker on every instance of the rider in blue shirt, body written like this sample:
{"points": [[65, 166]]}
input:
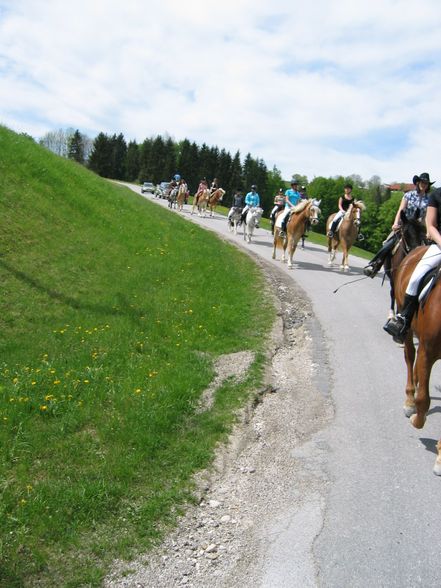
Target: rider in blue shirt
{"points": [[251, 199], [292, 198]]}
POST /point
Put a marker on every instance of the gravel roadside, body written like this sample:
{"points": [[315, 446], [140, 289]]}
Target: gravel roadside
{"points": [[263, 502]]}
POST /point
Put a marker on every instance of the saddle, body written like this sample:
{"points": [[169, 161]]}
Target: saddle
{"points": [[427, 284]]}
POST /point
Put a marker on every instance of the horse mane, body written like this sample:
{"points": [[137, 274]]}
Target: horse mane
{"points": [[301, 206], [360, 204]]}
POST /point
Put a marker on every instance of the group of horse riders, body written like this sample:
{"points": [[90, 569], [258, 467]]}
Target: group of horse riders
{"points": [[282, 201], [419, 204]]}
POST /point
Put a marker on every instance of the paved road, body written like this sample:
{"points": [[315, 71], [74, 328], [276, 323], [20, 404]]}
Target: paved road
{"points": [[380, 522]]}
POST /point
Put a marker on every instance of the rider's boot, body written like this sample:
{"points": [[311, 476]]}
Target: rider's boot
{"points": [[331, 231], [398, 326], [372, 269]]}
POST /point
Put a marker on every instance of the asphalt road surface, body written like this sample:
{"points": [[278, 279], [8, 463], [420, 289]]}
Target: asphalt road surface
{"points": [[380, 524]]}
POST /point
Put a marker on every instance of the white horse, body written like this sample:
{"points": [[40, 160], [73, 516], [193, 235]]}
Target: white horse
{"points": [[234, 219], [254, 215]]}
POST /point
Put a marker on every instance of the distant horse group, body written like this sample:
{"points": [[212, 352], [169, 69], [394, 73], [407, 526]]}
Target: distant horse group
{"points": [[205, 199]]}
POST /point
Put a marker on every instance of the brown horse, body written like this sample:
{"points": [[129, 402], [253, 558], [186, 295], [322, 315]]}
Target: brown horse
{"points": [[346, 234], [412, 233], [304, 213], [200, 201], [180, 198], [216, 197], [426, 326]]}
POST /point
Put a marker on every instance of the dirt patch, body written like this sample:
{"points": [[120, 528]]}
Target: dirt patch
{"points": [[268, 483]]}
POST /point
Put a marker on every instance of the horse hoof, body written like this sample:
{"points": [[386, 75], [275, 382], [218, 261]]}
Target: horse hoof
{"points": [[329, 262], [437, 468], [409, 411], [415, 421]]}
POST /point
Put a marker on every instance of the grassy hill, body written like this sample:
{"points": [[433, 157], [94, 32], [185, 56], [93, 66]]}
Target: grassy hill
{"points": [[112, 312]]}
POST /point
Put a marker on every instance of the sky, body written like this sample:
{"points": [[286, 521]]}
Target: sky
{"points": [[318, 88]]}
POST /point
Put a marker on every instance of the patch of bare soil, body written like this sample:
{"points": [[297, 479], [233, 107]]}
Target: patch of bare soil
{"points": [[262, 503]]}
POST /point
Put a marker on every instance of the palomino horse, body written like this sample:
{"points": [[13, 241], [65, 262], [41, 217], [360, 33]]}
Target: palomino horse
{"points": [[253, 217], [346, 234], [306, 212], [180, 198], [200, 201], [215, 197], [234, 219], [426, 326], [412, 233]]}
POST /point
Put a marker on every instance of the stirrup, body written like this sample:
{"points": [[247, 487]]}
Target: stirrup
{"points": [[330, 234], [282, 234], [360, 237], [397, 327], [370, 271]]}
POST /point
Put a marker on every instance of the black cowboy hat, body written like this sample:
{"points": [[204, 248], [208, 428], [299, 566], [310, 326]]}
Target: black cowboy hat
{"points": [[424, 177]]}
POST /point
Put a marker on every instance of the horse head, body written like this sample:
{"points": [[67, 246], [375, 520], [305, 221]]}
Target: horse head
{"points": [[413, 231], [354, 212], [314, 211]]}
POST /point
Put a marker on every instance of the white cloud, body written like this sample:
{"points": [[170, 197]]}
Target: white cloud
{"points": [[297, 84]]}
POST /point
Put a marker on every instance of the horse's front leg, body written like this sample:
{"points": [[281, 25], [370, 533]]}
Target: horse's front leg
{"points": [[423, 367], [437, 466], [344, 260], [409, 357], [291, 250]]}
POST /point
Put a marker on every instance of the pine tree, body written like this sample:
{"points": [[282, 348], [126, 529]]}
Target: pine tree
{"points": [[132, 161], [100, 160], [75, 147]]}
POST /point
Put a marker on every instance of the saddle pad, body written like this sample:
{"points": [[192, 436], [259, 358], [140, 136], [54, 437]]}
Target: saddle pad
{"points": [[427, 284], [279, 219]]}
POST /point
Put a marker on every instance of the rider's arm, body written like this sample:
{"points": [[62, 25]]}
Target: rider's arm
{"points": [[432, 225], [403, 205], [340, 204]]}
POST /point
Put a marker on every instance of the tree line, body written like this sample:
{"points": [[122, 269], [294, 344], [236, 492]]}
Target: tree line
{"points": [[159, 158]]}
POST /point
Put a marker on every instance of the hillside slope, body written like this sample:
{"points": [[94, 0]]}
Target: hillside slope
{"points": [[111, 315]]}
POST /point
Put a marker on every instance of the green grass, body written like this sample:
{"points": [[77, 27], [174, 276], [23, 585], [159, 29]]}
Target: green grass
{"points": [[112, 313]]}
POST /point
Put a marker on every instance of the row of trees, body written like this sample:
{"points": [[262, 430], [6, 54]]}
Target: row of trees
{"points": [[158, 158]]}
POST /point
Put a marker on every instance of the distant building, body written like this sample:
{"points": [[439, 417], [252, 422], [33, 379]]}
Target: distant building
{"points": [[399, 187]]}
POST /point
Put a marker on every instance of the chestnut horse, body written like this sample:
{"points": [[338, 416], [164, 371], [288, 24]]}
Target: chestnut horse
{"points": [[426, 326], [180, 198], [200, 201], [216, 197], [412, 233], [306, 212], [346, 234]]}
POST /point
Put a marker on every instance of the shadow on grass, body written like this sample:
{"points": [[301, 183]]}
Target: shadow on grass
{"points": [[69, 300]]}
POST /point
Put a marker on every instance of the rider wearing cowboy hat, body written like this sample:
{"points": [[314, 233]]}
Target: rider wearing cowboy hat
{"points": [[400, 324], [414, 204]]}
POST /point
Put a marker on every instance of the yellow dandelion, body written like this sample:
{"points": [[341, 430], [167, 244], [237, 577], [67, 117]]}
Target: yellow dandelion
{"points": [[43, 407]]}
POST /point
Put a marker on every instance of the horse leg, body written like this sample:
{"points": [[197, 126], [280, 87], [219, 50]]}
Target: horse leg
{"points": [[344, 260], [423, 367], [285, 243], [437, 466], [291, 250], [409, 356]]}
